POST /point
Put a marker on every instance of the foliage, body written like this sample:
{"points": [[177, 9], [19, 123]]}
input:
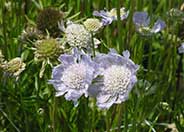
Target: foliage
{"points": [[156, 101]]}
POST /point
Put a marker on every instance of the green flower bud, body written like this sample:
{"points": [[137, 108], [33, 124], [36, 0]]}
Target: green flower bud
{"points": [[47, 49]]}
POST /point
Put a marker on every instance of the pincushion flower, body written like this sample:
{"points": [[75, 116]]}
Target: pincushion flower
{"points": [[181, 49], [73, 76], [109, 16], [117, 78], [142, 23], [14, 67], [92, 24], [76, 35]]}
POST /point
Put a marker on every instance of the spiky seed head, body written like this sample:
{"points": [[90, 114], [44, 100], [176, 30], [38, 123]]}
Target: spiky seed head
{"points": [[47, 49], [14, 66], [30, 34], [48, 19]]}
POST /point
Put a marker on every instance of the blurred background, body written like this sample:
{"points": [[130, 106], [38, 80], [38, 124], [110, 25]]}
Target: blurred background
{"points": [[156, 103]]}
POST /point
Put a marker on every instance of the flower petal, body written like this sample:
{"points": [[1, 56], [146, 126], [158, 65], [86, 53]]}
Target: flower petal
{"points": [[158, 26], [73, 95], [106, 21], [57, 72], [94, 89], [141, 19], [126, 54], [101, 13], [181, 48], [66, 59], [105, 61], [106, 101]]}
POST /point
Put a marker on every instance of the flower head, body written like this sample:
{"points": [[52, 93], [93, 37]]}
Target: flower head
{"points": [[175, 14], [14, 66], [77, 36], [48, 19], [73, 76], [92, 24], [47, 49], [109, 16], [118, 76], [142, 23], [30, 34], [181, 49]]}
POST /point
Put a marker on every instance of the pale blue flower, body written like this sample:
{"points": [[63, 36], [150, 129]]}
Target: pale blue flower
{"points": [[116, 78], [109, 16], [142, 23], [73, 76], [181, 49]]}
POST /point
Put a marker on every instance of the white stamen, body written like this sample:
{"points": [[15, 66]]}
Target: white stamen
{"points": [[77, 35], [74, 76], [116, 79]]}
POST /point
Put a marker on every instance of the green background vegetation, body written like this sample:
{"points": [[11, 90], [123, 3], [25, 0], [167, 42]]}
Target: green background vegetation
{"points": [[29, 105]]}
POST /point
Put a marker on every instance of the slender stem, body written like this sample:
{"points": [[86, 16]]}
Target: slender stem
{"points": [[119, 46], [150, 56], [120, 109], [107, 29], [4, 29], [53, 114], [93, 44], [108, 122], [125, 117]]}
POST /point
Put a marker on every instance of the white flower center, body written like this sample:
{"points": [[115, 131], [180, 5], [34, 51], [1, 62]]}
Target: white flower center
{"points": [[116, 78], [92, 24], [77, 35], [74, 76]]}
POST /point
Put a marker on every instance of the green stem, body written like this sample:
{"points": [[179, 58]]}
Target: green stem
{"points": [[125, 117], [93, 44], [52, 114], [120, 109], [150, 55], [108, 122], [107, 29], [119, 46]]}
